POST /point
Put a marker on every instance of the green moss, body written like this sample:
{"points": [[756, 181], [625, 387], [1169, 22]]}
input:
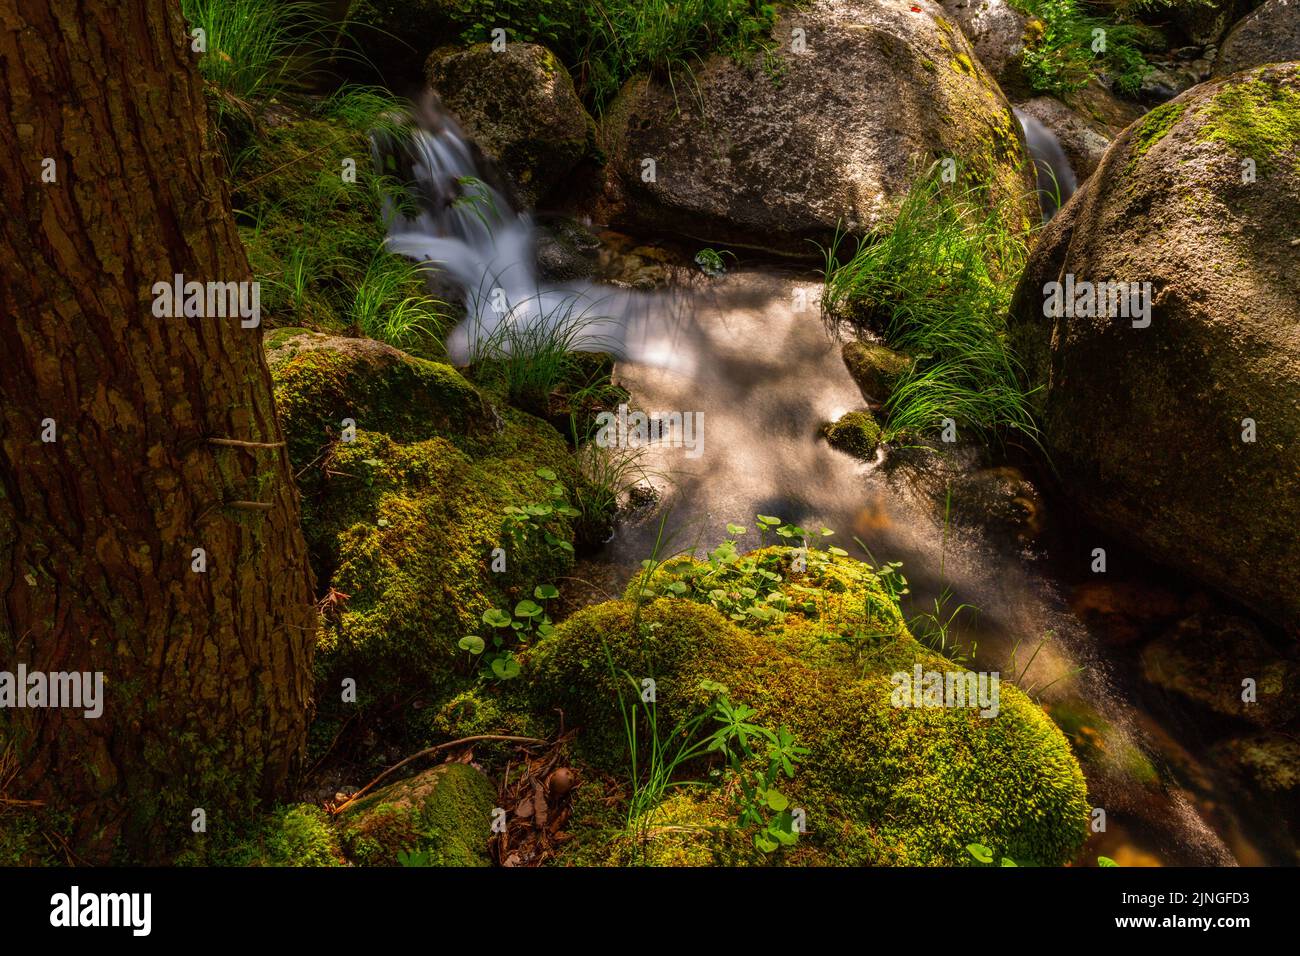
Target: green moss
{"points": [[881, 785], [320, 380], [298, 835], [1255, 118], [404, 519], [1099, 743], [1154, 127], [875, 368], [445, 812], [962, 64], [855, 433]]}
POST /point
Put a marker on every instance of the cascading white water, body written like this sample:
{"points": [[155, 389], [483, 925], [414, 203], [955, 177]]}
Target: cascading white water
{"points": [[1056, 179], [467, 232]]}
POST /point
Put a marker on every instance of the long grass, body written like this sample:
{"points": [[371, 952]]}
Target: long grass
{"points": [[937, 285], [386, 306], [533, 347]]}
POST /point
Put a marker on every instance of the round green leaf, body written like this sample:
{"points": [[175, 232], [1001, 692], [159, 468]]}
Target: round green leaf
{"points": [[505, 667], [496, 618], [471, 643], [546, 592]]}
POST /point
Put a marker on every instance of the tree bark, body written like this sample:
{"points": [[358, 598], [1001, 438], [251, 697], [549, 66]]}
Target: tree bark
{"points": [[207, 675]]}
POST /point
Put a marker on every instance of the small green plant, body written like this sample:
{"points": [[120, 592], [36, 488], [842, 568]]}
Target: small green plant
{"points": [[1066, 47], [527, 525], [710, 261], [531, 350], [385, 303], [985, 856], [415, 858]]}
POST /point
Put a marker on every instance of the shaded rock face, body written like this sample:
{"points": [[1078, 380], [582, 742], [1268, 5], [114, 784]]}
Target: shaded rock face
{"points": [[1084, 140], [997, 31], [1269, 35], [520, 106], [1206, 658], [1151, 427], [836, 137], [1207, 22]]}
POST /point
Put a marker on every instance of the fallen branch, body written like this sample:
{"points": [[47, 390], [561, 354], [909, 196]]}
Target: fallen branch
{"points": [[429, 752], [238, 443]]}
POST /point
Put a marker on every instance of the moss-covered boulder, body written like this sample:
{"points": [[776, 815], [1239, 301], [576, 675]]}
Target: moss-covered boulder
{"points": [[816, 651], [1271, 34], [403, 520], [876, 369], [854, 433], [520, 107], [441, 817], [323, 379], [1183, 435], [779, 152]]}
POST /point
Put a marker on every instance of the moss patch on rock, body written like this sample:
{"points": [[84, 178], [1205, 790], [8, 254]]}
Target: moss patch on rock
{"points": [[442, 815], [855, 433], [875, 368], [1257, 119]]}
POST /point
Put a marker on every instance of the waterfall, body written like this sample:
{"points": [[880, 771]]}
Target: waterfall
{"points": [[1055, 177], [467, 233]]}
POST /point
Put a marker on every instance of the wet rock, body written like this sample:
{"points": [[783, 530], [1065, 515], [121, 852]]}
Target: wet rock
{"points": [[749, 159], [1206, 658], [1084, 140], [1271, 34], [875, 368], [1166, 81], [443, 814], [1001, 500], [1147, 425], [566, 250], [855, 433], [520, 106]]}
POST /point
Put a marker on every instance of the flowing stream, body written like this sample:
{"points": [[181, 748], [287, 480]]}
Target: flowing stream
{"points": [[748, 350]]}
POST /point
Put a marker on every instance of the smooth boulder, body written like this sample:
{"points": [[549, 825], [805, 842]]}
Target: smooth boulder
{"points": [[1184, 435], [831, 134]]}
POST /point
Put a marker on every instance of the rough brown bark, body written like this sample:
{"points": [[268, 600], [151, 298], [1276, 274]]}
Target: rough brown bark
{"points": [[207, 675]]}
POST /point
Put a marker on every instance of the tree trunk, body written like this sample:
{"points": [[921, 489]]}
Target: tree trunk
{"points": [[206, 674]]}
